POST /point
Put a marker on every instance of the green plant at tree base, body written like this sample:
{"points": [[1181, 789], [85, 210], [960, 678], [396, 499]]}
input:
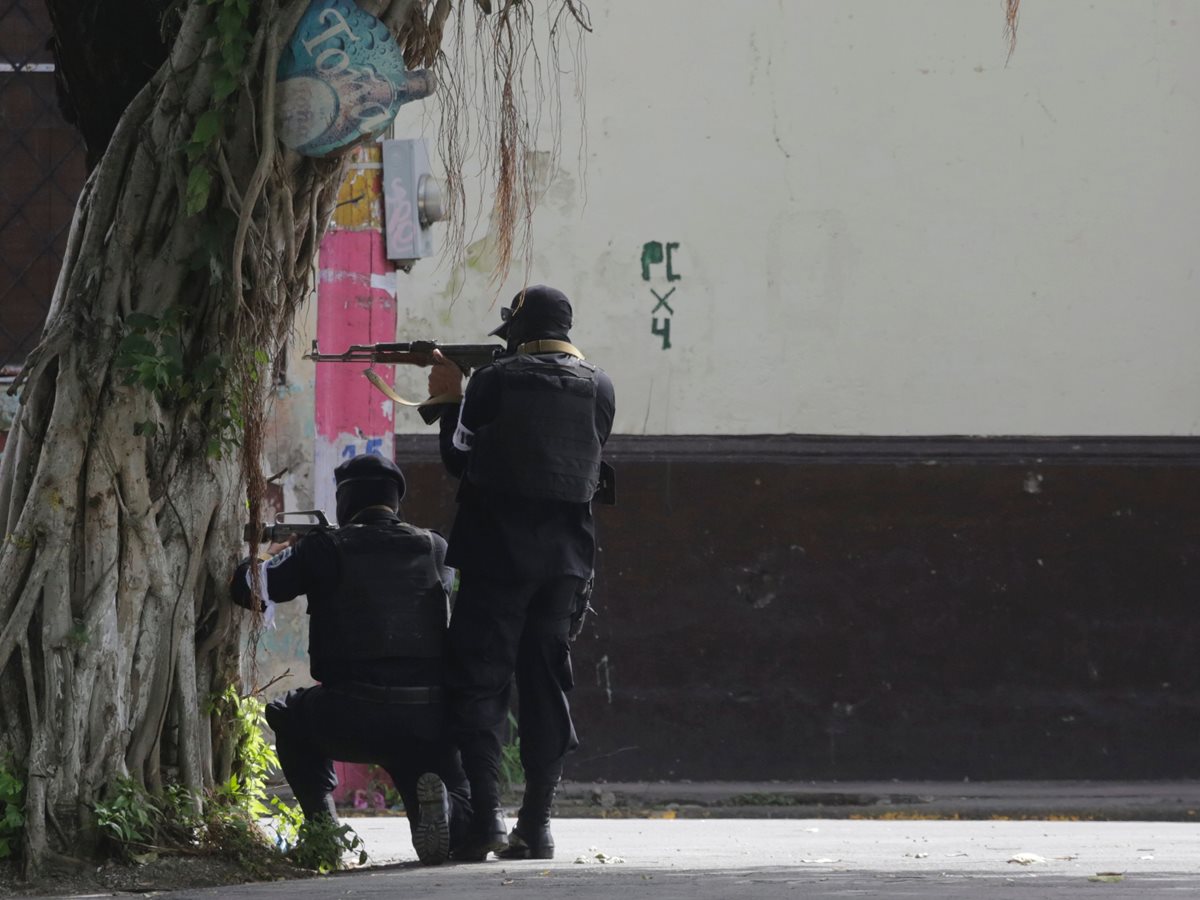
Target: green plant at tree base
{"points": [[255, 757], [136, 822], [128, 816], [12, 820], [321, 843], [318, 844]]}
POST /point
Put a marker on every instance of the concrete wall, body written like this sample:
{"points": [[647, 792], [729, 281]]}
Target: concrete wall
{"points": [[798, 608], [882, 229], [871, 230]]}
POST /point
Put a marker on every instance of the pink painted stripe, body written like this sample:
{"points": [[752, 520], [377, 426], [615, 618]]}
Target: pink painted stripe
{"points": [[351, 311]]}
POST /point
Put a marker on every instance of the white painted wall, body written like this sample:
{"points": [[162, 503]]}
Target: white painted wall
{"points": [[882, 229]]}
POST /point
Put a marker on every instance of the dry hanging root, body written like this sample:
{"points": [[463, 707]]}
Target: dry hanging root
{"points": [[1012, 10]]}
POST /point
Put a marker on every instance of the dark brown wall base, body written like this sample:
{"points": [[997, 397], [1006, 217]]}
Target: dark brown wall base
{"points": [[941, 608]]}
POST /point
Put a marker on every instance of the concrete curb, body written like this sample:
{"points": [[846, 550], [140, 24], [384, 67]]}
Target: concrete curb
{"points": [[1177, 801]]}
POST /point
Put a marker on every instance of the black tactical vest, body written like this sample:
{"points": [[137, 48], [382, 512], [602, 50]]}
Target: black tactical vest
{"points": [[390, 602], [543, 441]]}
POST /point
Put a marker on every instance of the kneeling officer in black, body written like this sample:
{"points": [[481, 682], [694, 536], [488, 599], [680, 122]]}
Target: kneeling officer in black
{"points": [[378, 592]]}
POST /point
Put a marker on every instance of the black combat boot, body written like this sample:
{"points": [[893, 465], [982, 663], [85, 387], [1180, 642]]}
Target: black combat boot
{"points": [[431, 835], [531, 838], [487, 832]]}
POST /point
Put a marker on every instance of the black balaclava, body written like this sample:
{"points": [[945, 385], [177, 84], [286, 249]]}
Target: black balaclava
{"points": [[366, 481], [354, 498]]}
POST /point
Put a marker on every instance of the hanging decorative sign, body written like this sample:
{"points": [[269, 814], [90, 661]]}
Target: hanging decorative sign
{"points": [[342, 80]]}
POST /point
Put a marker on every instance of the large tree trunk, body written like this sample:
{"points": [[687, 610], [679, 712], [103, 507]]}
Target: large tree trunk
{"points": [[115, 627], [118, 539]]}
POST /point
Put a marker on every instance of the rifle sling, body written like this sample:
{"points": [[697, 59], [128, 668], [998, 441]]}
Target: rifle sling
{"points": [[550, 346], [387, 390]]}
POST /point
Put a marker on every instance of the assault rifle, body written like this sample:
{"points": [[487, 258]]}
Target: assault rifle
{"points": [[412, 353], [282, 530]]}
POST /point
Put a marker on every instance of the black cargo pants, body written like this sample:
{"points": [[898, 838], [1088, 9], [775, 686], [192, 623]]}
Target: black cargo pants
{"points": [[316, 725], [499, 630]]}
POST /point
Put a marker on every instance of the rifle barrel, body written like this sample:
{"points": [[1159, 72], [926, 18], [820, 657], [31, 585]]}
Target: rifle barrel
{"points": [[412, 353]]}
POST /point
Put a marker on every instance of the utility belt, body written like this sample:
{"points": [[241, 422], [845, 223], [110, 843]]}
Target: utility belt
{"points": [[379, 694]]}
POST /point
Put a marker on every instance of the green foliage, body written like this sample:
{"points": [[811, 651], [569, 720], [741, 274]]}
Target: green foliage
{"points": [[129, 816], [78, 635], [321, 843], [512, 772], [231, 832], [254, 758], [288, 820], [152, 351], [12, 801], [318, 844], [135, 821], [230, 36], [151, 355], [199, 184]]}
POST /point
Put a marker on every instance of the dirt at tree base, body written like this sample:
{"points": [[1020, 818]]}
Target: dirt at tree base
{"points": [[163, 873]]}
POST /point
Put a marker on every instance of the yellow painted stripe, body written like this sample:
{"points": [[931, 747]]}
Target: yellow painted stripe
{"points": [[360, 198]]}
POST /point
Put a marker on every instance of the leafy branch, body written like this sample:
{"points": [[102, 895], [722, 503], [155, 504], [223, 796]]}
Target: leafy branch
{"points": [[231, 36], [151, 355]]}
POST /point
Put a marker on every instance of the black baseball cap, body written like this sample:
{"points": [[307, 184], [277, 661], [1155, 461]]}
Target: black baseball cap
{"points": [[542, 310], [369, 467]]}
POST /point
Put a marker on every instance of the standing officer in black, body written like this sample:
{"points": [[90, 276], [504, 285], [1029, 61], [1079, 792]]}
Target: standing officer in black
{"points": [[378, 592], [525, 443]]}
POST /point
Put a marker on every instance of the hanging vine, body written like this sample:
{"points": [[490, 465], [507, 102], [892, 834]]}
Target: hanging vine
{"points": [[1012, 10]]}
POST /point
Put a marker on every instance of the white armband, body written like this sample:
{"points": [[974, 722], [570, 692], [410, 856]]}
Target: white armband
{"points": [[463, 436], [269, 611]]}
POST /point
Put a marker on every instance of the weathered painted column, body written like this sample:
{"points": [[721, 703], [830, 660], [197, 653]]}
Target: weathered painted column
{"points": [[356, 304]]}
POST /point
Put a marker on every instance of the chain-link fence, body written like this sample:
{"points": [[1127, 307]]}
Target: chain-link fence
{"points": [[41, 172]]}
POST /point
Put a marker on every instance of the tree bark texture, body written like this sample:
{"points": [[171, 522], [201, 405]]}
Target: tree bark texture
{"points": [[115, 627]]}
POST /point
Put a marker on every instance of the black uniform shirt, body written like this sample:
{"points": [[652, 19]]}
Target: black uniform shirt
{"points": [[505, 536], [313, 564]]}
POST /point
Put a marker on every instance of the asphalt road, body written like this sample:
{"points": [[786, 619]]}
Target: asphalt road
{"points": [[698, 859]]}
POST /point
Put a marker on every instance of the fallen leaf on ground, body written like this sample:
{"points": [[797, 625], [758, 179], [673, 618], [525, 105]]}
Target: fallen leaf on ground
{"points": [[594, 855], [1027, 859]]}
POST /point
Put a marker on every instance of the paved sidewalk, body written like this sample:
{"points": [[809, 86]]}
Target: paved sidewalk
{"points": [[986, 841], [766, 859]]}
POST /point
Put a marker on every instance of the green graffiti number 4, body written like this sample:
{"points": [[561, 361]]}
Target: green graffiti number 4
{"points": [[664, 331]]}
